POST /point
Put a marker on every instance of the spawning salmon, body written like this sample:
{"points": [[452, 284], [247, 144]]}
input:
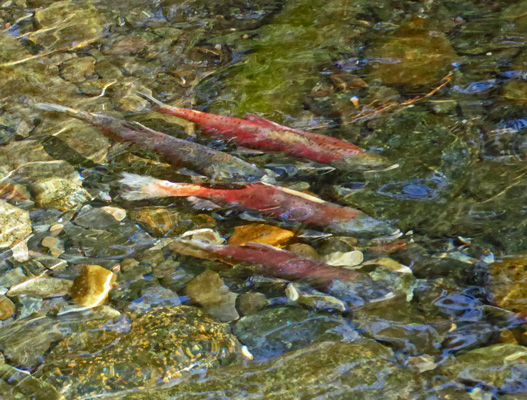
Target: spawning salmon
{"points": [[275, 201], [260, 133], [177, 152], [350, 286]]}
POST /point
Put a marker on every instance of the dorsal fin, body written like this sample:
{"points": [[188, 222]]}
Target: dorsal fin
{"points": [[317, 138], [270, 124], [261, 121]]}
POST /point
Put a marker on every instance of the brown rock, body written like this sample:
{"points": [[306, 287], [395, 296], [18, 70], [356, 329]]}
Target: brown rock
{"points": [[208, 290], [7, 308], [508, 283], [92, 286]]}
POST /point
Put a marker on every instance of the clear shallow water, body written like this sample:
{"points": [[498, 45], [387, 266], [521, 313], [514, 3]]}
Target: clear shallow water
{"points": [[459, 190]]}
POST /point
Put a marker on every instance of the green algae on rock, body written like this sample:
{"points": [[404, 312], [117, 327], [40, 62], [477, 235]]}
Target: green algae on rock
{"points": [[364, 370], [267, 336], [154, 349], [414, 55], [498, 367], [283, 65]]}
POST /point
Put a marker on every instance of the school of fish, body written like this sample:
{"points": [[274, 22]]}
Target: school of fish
{"points": [[252, 189]]}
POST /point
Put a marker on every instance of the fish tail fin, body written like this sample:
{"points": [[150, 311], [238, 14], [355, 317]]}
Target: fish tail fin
{"points": [[57, 108], [152, 99], [145, 187], [63, 109], [172, 110]]}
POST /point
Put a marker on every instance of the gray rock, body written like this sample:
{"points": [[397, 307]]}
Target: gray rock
{"points": [[42, 286], [25, 341], [275, 331], [251, 302]]}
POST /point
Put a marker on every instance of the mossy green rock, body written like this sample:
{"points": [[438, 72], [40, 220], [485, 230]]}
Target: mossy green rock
{"points": [[154, 349], [363, 370], [414, 55], [284, 64], [503, 366]]}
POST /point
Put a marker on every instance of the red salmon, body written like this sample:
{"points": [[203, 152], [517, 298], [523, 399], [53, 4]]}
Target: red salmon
{"points": [[269, 200], [260, 133], [352, 287], [180, 153]]}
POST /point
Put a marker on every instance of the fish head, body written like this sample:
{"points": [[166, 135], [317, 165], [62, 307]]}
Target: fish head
{"points": [[362, 162], [365, 226]]}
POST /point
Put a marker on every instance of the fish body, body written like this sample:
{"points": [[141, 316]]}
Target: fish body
{"points": [[276, 262], [352, 287], [260, 133], [180, 153], [270, 200]]}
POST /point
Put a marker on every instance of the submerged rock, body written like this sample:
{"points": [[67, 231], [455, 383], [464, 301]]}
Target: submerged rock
{"points": [[208, 290], [401, 328], [41, 286], [17, 384], [67, 25], [77, 142], [260, 233], [16, 154], [507, 283], [168, 222], [507, 279], [266, 334], [62, 194], [7, 308], [251, 302], [154, 349], [500, 367], [364, 370], [25, 341], [15, 224], [415, 55], [92, 286], [311, 298], [95, 218]]}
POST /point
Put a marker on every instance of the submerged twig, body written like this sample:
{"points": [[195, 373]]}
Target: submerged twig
{"points": [[368, 113]]}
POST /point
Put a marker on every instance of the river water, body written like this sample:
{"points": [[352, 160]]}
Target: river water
{"points": [[437, 88]]}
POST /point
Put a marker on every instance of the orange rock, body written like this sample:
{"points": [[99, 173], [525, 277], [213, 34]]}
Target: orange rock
{"points": [[260, 233]]}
